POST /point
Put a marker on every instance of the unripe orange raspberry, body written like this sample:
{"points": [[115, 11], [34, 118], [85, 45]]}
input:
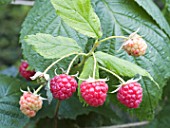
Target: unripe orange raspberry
{"points": [[135, 45], [30, 103]]}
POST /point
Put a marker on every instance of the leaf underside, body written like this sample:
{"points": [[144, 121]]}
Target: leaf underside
{"points": [[52, 47]]}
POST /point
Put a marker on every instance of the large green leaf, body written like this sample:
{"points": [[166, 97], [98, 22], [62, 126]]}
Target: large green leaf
{"points": [[52, 47], [79, 15], [120, 66], [155, 13], [43, 19], [10, 114], [162, 118], [124, 17]]}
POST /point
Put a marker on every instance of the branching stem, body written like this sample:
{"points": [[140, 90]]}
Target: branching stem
{"points": [[39, 88], [71, 64], [55, 62]]}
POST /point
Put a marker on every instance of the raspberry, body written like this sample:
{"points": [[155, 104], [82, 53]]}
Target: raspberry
{"points": [[30, 104], [94, 93], [130, 94], [135, 45], [63, 86], [24, 72]]}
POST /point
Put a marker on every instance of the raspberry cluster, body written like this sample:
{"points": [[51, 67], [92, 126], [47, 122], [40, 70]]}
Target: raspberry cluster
{"points": [[130, 94], [24, 72], [30, 104], [63, 86]]}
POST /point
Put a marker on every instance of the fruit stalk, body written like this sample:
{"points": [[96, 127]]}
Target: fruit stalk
{"points": [[56, 115]]}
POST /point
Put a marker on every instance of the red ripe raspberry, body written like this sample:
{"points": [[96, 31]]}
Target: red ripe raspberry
{"points": [[130, 94], [24, 72], [94, 93], [135, 45], [63, 86], [30, 104]]}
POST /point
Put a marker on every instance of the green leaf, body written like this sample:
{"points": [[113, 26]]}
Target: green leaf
{"points": [[43, 19], [155, 13], [10, 114], [120, 66], [71, 108], [88, 69], [162, 118], [124, 17], [52, 47], [79, 15]]}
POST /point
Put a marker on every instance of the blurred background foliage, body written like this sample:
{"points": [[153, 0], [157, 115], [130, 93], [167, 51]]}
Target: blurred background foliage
{"points": [[11, 18]]}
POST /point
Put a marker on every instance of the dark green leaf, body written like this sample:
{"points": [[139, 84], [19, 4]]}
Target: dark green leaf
{"points": [[52, 47], [10, 114], [122, 18], [120, 66], [79, 15], [155, 13], [162, 118], [71, 108], [48, 110]]}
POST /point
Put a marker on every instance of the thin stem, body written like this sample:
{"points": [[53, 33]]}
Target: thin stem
{"points": [[112, 37], [95, 64], [122, 81], [55, 62], [94, 47], [83, 60], [57, 109], [71, 63], [39, 88]]}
